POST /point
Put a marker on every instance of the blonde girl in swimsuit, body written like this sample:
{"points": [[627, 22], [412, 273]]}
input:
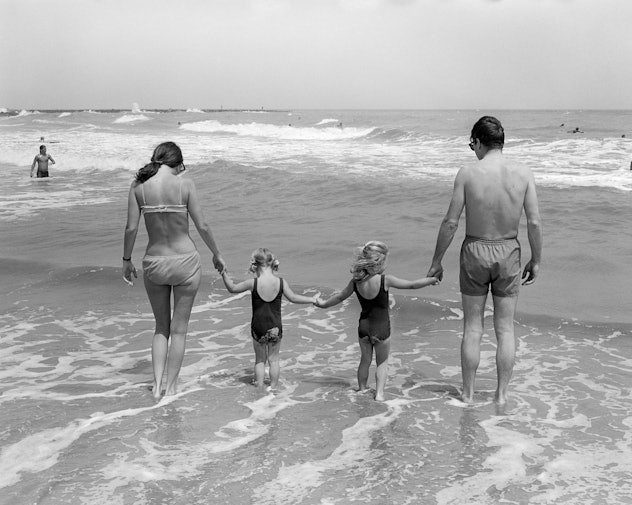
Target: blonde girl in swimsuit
{"points": [[371, 285], [171, 265], [266, 327]]}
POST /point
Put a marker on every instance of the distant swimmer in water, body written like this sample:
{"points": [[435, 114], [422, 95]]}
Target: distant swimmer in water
{"points": [[576, 130], [41, 160]]}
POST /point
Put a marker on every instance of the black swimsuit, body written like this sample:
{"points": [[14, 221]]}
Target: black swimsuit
{"points": [[266, 327], [374, 319]]}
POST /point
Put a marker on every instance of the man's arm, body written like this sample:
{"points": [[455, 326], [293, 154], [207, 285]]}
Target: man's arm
{"points": [[51, 159], [534, 232], [449, 225]]}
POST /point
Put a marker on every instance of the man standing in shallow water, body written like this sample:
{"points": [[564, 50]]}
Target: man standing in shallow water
{"points": [[41, 160], [493, 192]]}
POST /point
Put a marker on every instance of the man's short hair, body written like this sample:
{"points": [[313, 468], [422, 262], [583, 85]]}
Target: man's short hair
{"points": [[42, 147], [489, 131]]}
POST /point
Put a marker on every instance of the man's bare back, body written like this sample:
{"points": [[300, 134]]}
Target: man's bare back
{"points": [[494, 191]]}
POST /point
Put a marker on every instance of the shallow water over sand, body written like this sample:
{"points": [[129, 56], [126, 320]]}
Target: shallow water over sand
{"points": [[75, 366]]}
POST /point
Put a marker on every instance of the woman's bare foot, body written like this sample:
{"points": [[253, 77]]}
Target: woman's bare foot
{"points": [[155, 392]]}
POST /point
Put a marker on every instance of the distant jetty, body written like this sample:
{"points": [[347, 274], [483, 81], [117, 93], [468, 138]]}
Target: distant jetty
{"points": [[16, 112]]}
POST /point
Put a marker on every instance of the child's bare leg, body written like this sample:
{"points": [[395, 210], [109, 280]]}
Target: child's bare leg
{"points": [[382, 351], [366, 356], [260, 361], [273, 360]]}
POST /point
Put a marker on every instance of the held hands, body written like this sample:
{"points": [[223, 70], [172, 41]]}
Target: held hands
{"points": [[318, 302], [219, 264], [436, 270], [530, 272]]}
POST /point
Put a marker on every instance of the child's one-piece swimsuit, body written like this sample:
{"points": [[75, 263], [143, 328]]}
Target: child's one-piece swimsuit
{"points": [[266, 327], [374, 319]]}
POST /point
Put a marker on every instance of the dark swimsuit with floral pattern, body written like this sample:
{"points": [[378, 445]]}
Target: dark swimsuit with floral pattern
{"points": [[266, 327]]}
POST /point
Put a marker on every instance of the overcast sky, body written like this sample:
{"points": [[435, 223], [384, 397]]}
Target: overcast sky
{"points": [[417, 54]]}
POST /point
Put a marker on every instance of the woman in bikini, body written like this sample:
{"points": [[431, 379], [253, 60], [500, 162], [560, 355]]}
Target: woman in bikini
{"points": [[371, 285], [171, 264]]}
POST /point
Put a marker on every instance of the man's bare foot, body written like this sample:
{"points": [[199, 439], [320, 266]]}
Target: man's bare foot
{"points": [[500, 399], [466, 399], [379, 397]]}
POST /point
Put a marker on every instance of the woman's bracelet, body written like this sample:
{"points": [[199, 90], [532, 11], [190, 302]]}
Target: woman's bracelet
{"points": [[127, 259]]}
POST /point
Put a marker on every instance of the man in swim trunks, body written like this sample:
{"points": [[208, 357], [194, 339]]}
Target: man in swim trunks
{"points": [[493, 192], [41, 160]]}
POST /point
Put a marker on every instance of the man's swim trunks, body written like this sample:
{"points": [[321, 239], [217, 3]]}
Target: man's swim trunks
{"points": [[175, 270], [266, 326], [490, 262], [41, 173], [374, 320]]}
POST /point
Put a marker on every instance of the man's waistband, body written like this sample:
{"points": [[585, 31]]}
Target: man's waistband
{"points": [[471, 238]]}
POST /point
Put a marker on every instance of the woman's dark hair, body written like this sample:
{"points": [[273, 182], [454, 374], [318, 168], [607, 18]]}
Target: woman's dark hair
{"points": [[489, 131], [167, 153]]}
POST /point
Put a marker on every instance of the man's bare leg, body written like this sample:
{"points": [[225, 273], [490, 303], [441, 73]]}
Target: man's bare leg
{"points": [[473, 314], [504, 310]]}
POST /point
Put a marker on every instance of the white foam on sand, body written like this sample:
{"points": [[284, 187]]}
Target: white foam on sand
{"points": [[295, 482]]}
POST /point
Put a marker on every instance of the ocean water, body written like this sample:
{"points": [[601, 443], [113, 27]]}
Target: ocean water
{"points": [[78, 424]]}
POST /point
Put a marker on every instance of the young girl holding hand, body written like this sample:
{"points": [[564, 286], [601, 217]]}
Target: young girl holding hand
{"points": [[266, 328], [371, 286]]}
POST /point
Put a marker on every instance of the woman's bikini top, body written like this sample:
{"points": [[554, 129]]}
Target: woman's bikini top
{"points": [[166, 207]]}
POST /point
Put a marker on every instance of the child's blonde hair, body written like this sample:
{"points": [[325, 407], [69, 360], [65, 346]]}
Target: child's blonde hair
{"points": [[370, 260], [263, 258]]}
